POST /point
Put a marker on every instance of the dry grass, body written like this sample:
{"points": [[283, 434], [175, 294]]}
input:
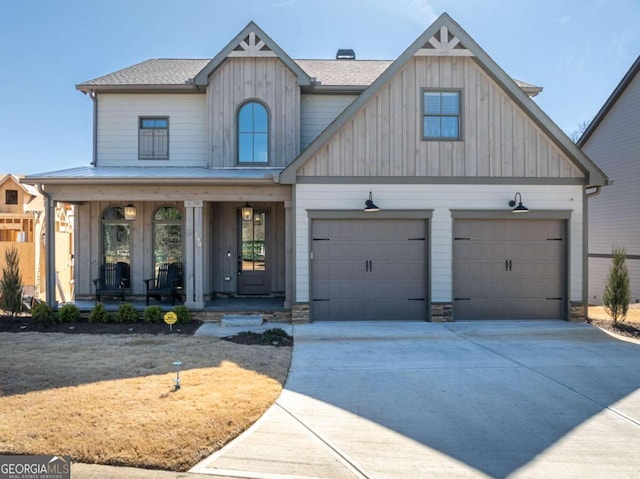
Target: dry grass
{"points": [[110, 399], [633, 316]]}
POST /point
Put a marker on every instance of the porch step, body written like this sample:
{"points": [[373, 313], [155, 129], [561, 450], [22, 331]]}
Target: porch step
{"points": [[240, 320]]}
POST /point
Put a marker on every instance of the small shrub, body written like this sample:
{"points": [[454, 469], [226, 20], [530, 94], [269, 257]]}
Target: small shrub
{"points": [[182, 312], [69, 313], [43, 314], [11, 283], [617, 293], [99, 314], [126, 313], [152, 314]]}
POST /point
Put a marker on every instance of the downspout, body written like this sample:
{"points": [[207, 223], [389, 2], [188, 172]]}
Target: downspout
{"points": [[595, 191], [94, 98], [49, 239]]}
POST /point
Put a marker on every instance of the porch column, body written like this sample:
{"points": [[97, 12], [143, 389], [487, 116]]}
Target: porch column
{"points": [[288, 254], [50, 251], [193, 279]]}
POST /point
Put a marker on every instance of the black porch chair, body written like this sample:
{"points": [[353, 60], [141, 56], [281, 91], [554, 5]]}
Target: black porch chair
{"points": [[110, 282], [165, 283]]}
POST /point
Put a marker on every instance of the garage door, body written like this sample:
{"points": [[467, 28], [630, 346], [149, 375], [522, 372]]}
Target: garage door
{"points": [[508, 269], [368, 270]]}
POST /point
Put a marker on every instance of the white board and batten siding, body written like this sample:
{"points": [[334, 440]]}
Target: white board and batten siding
{"points": [[317, 112], [118, 126], [441, 199], [384, 138], [614, 217], [267, 80]]}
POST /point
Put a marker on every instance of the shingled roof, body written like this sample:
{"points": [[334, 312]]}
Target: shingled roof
{"points": [[178, 73]]}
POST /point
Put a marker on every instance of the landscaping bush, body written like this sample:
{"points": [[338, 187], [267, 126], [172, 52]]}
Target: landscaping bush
{"points": [[43, 314], [617, 293], [126, 313], [182, 312], [69, 313], [152, 314], [99, 314]]}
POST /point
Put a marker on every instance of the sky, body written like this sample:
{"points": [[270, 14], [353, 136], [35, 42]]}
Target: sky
{"points": [[577, 50]]}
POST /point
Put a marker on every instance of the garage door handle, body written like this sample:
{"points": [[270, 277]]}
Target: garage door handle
{"points": [[509, 265], [506, 265]]}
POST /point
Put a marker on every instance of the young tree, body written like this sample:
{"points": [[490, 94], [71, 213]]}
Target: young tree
{"points": [[617, 292], [11, 283]]}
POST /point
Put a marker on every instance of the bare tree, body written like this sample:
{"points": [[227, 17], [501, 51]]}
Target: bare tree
{"points": [[582, 127]]}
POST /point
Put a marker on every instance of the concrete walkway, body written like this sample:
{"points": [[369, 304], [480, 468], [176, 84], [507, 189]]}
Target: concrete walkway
{"points": [[487, 399], [424, 400]]}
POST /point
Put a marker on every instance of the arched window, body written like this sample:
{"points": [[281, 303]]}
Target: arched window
{"points": [[253, 133], [167, 236], [116, 240]]}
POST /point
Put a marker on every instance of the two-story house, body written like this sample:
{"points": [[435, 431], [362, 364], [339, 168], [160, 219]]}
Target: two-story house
{"points": [[428, 187]]}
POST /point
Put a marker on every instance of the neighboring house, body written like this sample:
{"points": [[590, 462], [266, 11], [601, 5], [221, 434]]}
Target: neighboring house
{"points": [[612, 140], [22, 226], [252, 169]]}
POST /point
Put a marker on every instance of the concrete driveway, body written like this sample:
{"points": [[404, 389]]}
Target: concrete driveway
{"points": [[482, 399]]}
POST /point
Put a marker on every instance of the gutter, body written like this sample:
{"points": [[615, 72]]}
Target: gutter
{"points": [[50, 248], [94, 98]]}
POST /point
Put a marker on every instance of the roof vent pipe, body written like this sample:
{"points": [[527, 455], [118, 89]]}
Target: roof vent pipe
{"points": [[345, 54]]}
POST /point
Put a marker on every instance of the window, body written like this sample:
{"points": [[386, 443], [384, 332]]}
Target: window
{"points": [[116, 240], [441, 115], [253, 133], [167, 236], [153, 139], [11, 197]]}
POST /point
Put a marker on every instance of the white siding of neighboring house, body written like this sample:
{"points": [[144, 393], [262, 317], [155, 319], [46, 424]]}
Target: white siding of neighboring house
{"points": [[317, 111], [118, 116], [442, 199], [614, 217]]}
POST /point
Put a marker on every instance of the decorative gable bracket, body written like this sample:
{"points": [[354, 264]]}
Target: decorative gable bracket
{"points": [[444, 43], [252, 46]]}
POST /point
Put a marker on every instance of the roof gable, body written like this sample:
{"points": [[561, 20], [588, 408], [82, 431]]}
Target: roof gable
{"points": [[252, 41], [28, 189], [613, 98], [444, 38]]}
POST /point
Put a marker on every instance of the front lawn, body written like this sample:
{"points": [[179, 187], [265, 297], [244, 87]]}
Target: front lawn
{"points": [[110, 399]]}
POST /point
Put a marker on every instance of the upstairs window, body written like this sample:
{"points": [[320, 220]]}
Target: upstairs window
{"points": [[253, 134], [11, 197], [441, 115], [153, 139]]}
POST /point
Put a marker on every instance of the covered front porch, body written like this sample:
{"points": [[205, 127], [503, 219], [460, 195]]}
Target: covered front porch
{"points": [[231, 239]]}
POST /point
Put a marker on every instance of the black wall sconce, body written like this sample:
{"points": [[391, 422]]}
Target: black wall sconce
{"points": [[369, 205], [129, 212], [518, 200], [247, 212]]}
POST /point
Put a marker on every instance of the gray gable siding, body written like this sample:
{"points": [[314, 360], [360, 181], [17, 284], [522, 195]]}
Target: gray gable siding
{"points": [[267, 80], [384, 138]]}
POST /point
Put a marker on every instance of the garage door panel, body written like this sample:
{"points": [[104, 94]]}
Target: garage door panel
{"points": [[369, 270], [508, 269]]}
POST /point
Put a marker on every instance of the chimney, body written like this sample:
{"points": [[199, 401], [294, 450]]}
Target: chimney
{"points": [[345, 54]]}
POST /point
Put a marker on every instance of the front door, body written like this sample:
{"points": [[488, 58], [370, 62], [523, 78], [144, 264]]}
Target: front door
{"points": [[253, 258]]}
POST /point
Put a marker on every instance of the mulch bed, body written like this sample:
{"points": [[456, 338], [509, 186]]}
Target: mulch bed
{"points": [[23, 324], [629, 330]]}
